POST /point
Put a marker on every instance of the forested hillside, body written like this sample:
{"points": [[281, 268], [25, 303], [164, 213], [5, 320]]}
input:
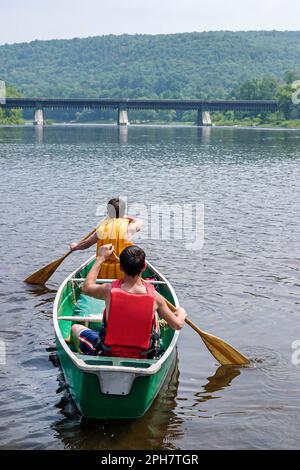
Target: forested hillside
{"points": [[190, 65]]}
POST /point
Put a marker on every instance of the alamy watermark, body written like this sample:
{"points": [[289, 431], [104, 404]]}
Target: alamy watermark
{"points": [[295, 358], [2, 353], [2, 92], [296, 93], [164, 221]]}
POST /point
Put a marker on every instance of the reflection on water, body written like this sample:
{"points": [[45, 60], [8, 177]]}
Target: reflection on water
{"points": [[39, 134], [204, 134], [221, 379], [242, 286], [123, 135]]}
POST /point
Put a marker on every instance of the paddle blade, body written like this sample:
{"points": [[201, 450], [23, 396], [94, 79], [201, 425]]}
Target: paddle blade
{"points": [[42, 275], [222, 351]]}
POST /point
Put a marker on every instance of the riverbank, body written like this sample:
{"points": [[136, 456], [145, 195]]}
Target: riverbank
{"points": [[282, 124], [292, 124]]}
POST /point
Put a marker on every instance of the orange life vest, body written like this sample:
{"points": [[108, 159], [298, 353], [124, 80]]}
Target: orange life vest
{"points": [[112, 231], [130, 322]]}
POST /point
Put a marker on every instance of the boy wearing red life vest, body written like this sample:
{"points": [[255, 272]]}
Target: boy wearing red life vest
{"points": [[131, 304]]}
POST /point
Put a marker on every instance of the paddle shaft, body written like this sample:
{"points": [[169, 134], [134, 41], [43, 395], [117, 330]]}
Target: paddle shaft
{"points": [[222, 351], [187, 320], [43, 274], [82, 240]]}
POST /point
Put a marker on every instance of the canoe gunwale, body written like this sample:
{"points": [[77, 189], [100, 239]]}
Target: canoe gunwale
{"points": [[78, 362]]}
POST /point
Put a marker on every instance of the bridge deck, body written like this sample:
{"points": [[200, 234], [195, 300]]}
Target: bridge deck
{"points": [[107, 103]]}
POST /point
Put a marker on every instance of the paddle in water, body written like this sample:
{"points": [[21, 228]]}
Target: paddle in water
{"points": [[42, 275]]}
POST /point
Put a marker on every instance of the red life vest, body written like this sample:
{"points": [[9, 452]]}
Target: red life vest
{"points": [[130, 321]]}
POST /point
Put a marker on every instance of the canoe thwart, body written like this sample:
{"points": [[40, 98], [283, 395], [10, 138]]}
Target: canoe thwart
{"points": [[80, 319], [109, 281]]}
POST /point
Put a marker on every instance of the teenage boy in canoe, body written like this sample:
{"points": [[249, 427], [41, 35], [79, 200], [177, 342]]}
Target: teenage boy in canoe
{"points": [[129, 318], [117, 229]]}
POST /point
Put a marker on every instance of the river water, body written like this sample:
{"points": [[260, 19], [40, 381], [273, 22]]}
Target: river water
{"points": [[243, 285]]}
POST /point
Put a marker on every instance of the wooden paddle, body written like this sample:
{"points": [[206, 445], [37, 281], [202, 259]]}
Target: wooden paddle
{"points": [[42, 275], [222, 351]]}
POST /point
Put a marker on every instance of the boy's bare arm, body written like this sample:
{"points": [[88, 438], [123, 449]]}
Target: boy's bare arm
{"points": [[84, 244], [90, 287], [174, 319]]}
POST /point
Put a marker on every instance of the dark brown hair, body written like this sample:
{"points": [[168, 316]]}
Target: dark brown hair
{"points": [[132, 260]]}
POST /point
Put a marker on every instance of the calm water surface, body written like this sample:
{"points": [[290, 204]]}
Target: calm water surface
{"points": [[243, 285]]}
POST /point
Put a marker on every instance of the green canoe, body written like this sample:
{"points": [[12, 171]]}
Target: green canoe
{"points": [[105, 387]]}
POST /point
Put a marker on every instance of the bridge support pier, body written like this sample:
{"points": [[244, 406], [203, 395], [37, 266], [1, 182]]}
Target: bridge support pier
{"points": [[39, 117], [203, 118], [123, 117]]}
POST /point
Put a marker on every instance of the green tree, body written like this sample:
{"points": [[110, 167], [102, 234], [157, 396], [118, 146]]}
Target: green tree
{"points": [[285, 103], [291, 76], [13, 116], [257, 89]]}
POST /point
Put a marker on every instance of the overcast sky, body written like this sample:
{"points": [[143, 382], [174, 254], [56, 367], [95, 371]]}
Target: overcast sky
{"points": [[26, 20]]}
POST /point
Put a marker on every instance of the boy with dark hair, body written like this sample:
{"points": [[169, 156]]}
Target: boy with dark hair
{"points": [[130, 310]]}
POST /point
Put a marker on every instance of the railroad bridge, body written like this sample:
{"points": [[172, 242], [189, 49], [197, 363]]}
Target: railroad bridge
{"points": [[122, 106]]}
